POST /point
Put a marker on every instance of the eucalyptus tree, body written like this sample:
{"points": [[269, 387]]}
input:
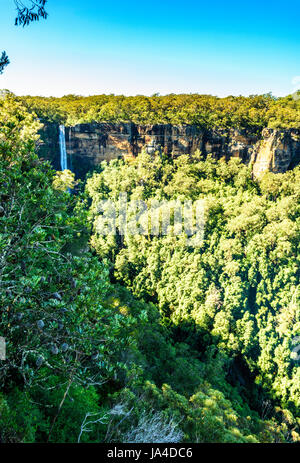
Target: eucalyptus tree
{"points": [[27, 11]]}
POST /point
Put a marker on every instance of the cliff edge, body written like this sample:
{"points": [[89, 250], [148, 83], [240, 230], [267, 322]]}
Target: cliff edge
{"points": [[90, 144]]}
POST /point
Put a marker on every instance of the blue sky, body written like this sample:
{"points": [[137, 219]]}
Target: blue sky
{"points": [[138, 47]]}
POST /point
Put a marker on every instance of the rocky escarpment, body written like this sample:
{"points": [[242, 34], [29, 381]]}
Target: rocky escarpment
{"points": [[90, 144], [277, 151]]}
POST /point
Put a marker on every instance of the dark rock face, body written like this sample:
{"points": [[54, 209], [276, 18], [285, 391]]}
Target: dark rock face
{"points": [[90, 144], [48, 145]]}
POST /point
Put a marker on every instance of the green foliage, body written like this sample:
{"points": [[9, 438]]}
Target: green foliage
{"points": [[251, 113], [239, 288], [18, 128], [192, 344], [53, 315], [64, 180], [19, 417]]}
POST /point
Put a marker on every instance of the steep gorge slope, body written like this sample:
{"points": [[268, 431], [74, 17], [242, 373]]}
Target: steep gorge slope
{"points": [[88, 145]]}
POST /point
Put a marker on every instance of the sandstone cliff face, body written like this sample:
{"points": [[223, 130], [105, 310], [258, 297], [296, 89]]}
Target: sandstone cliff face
{"points": [[90, 144], [277, 151]]}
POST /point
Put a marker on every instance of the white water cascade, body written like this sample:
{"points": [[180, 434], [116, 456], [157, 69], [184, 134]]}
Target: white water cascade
{"points": [[62, 146]]}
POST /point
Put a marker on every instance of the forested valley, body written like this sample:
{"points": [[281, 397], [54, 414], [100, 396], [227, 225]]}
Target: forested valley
{"points": [[143, 338]]}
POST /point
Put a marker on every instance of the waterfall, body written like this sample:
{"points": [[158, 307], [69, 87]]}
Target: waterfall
{"points": [[62, 146], [70, 144]]}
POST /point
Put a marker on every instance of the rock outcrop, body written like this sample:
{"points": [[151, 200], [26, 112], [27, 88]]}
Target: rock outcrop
{"points": [[277, 152], [90, 144]]}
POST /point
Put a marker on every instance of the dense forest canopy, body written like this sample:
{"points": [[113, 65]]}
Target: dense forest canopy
{"points": [[139, 337], [252, 113]]}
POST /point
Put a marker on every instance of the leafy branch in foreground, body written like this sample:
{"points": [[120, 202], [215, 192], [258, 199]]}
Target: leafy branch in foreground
{"points": [[4, 61], [28, 13]]}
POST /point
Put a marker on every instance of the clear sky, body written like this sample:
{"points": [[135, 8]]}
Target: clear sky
{"points": [[142, 47]]}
